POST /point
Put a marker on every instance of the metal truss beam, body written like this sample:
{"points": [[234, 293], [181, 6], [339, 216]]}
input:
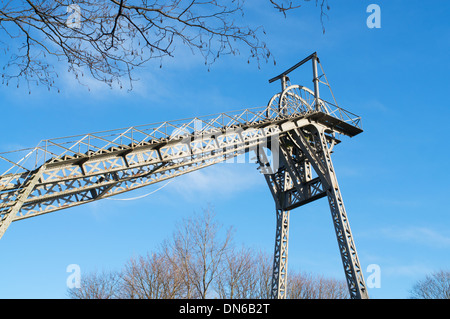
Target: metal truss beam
{"points": [[81, 169]]}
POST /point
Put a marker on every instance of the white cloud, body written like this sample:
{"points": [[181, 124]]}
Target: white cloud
{"points": [[217, 182], [422, 235], [375, 105]]}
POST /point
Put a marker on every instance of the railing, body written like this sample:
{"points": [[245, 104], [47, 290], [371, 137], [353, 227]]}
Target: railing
{"points": [[342, 114], [86, 145]]}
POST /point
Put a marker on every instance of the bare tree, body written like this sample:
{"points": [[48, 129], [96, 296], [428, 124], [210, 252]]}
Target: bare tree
{"points": [[247, 273], [309, 286], [198, 250], [199, 261], [263, 271], [238, 278], [104, 285], [152, 277], [109, 39], [434, 286], [178, 251]]}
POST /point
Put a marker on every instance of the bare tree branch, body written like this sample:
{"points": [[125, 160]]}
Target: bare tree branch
{"points": [[104, 285], [116, 36], [286, 5], [434, 286]]}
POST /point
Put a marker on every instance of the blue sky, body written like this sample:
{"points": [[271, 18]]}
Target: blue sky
{"points": [[393, 176]]}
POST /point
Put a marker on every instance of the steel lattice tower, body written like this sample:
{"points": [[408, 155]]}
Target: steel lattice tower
{"points": [[307, 145], [292, 138]]}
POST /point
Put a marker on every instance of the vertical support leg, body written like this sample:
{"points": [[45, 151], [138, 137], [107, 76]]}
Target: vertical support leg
{"points": [[279, 276], [347, 248], [319, 156], [280, 256], [278, 181], [350, 261]]}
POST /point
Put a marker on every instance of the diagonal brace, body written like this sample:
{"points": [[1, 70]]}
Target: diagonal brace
{"points": [[28, 187]]}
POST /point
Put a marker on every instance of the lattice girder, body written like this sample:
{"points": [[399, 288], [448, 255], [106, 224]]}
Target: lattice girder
{"points": [[63, 185]]}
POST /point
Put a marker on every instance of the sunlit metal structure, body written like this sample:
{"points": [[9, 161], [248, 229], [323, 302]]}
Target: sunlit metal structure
{"points": [[292, 138]]}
